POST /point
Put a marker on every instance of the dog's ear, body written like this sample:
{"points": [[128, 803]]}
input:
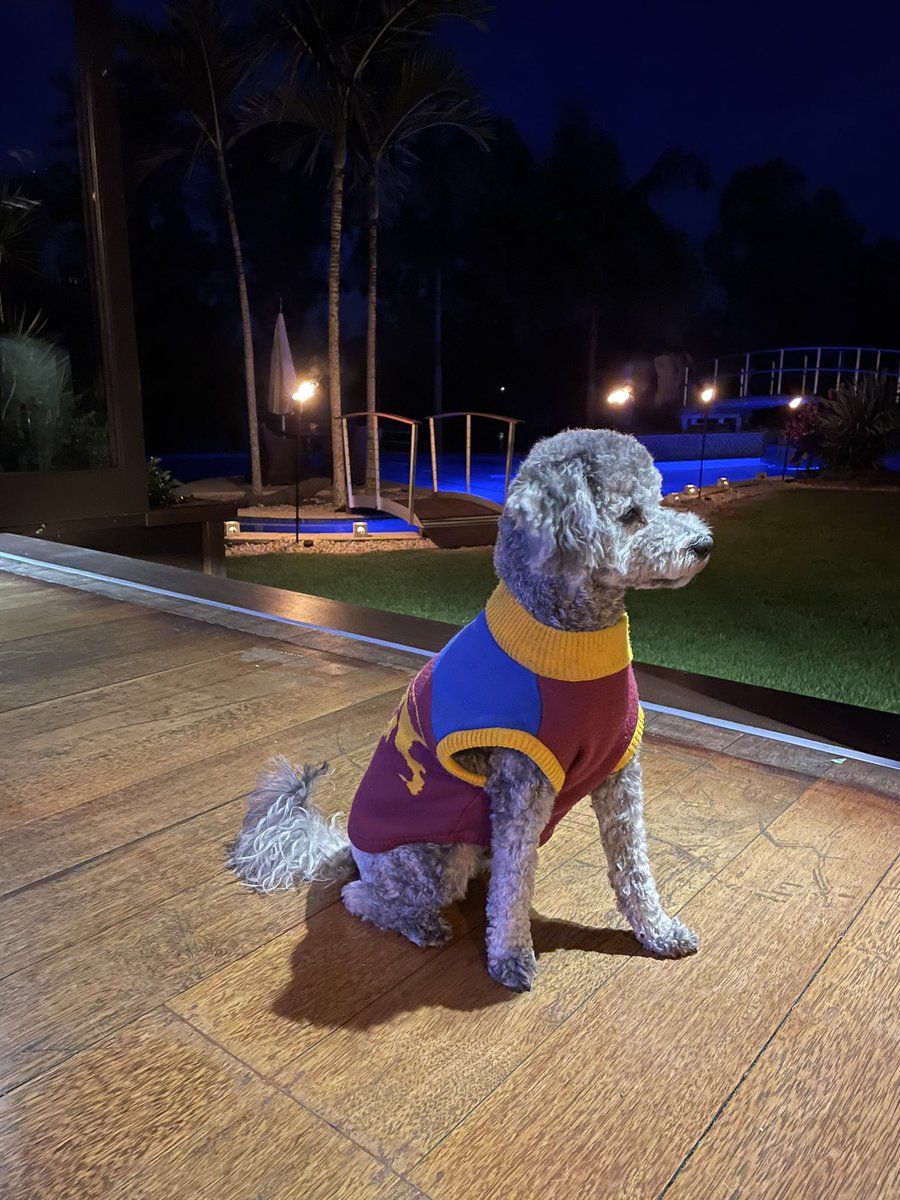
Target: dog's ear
{"points": [[558, 517]]}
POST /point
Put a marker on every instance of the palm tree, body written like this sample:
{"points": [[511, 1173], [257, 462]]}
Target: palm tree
{"points": [[333, 48], [617, 254], [425, 92], [199, 58]]}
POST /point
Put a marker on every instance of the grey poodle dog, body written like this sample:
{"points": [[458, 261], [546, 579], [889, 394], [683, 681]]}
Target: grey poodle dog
{"points": [[529, 708]]}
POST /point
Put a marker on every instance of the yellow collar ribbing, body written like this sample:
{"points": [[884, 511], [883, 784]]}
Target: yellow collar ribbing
{"points": [[555, 653]]}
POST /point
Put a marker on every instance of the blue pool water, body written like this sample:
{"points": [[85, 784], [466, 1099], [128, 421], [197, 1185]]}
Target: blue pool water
{"points": [[487, 480], [488, 471], [377, 522]]}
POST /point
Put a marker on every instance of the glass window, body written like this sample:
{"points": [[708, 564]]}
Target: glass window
{"points": [[53, 414]]}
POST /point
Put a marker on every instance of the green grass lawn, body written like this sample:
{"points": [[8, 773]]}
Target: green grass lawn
{"points": [[801, 594]]}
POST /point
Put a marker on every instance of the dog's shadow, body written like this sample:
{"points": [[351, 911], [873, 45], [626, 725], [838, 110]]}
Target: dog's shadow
{"points": [[348, 973]]}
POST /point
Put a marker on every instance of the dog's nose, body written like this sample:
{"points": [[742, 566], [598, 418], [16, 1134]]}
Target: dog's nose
{"points": [[702, 548]]}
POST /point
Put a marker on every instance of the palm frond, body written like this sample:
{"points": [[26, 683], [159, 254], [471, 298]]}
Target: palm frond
{"points": [[18, 214], [197, 56]]}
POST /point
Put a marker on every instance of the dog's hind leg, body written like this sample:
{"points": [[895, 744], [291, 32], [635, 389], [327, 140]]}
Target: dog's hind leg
{"points": [[619, 805], [521, 802], [406, 889]]}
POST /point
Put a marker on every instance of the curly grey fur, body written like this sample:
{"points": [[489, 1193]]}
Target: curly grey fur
{"points": [[285, 839], [619, 805], [521, 802], [405, 889], [583, 522]]}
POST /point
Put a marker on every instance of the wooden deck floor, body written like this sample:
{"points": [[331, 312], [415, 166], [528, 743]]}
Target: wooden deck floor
{"points": [[165, 1034]]}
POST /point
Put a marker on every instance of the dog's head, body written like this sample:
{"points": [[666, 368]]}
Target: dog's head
{"points": [[586, 505]]}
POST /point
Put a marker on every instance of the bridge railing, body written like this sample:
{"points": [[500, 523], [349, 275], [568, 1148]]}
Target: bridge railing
{"points": [[802, 370], [374, 418], [511, 423]]}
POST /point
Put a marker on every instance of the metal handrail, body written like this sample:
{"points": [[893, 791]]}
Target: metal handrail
{"points": [[512, 422], [744, 368], [413, 448]]}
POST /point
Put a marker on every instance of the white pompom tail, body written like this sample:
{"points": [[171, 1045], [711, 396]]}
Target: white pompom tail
{"points": [[285, 840]]}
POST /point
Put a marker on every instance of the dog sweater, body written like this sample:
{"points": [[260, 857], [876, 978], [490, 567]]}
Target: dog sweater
{"points": [[567, 700]]}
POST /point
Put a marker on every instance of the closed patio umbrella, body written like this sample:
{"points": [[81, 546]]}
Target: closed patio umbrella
{"points": [[282, 377]]}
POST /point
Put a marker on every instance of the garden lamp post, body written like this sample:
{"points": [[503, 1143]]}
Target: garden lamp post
{"points": [[306, 389], [706, 397], [793, 405]]}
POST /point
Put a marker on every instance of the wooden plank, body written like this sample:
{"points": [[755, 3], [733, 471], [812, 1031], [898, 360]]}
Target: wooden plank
{"points": [[56, 843], [14, 590], [278, 1002], [78, 904], [57, 755], [402, 1070], [613, 1100], [312, 610], [59, 609], [819, 1114], [157, 1111], [72, 998], [33, 670]]}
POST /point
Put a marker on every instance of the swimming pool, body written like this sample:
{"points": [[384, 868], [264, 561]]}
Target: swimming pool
{"points": [[376, 521], [487, 481], [488, 471]]}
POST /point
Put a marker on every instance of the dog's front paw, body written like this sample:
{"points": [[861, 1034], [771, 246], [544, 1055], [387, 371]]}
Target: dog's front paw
{"points": [[515, 969], [674, 940]]}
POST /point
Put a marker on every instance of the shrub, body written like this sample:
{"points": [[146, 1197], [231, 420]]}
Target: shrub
{"points": [[857, 422], [162, 489]]}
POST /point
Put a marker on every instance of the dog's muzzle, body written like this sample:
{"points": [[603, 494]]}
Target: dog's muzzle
{"points": [[702, 548]]}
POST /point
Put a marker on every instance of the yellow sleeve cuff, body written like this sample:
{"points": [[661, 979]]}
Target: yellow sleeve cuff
{"points": [[509, 739], [634, 744]]}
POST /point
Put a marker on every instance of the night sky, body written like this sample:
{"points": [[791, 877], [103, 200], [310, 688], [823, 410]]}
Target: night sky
{"points": [[737, 84]]}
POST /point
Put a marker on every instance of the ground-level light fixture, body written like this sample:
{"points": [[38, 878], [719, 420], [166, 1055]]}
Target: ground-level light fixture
{"points": [[620, 395], [690, 489], [360, 529], [796, 402], [722, 482], [707, 395]]}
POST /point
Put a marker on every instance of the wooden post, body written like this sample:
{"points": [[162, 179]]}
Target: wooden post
{"points": [[469, 453], [413, 446], [510, 437], [434, 471], [377, 464], [346, 437]]}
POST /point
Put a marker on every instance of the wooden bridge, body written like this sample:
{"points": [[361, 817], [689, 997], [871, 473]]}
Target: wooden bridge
{"points": [[450, 519]]}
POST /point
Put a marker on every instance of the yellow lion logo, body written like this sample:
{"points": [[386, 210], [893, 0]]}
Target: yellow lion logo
{"points": [[407, 730]]}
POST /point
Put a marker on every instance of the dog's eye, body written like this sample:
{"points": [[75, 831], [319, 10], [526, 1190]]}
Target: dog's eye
{"points": [[633, 515]]}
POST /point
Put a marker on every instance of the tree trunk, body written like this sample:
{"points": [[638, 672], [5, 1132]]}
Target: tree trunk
{"points": [[334, 332], [438, 395], [438, 339], [591, 398], [246, 327], [371, 342]]}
